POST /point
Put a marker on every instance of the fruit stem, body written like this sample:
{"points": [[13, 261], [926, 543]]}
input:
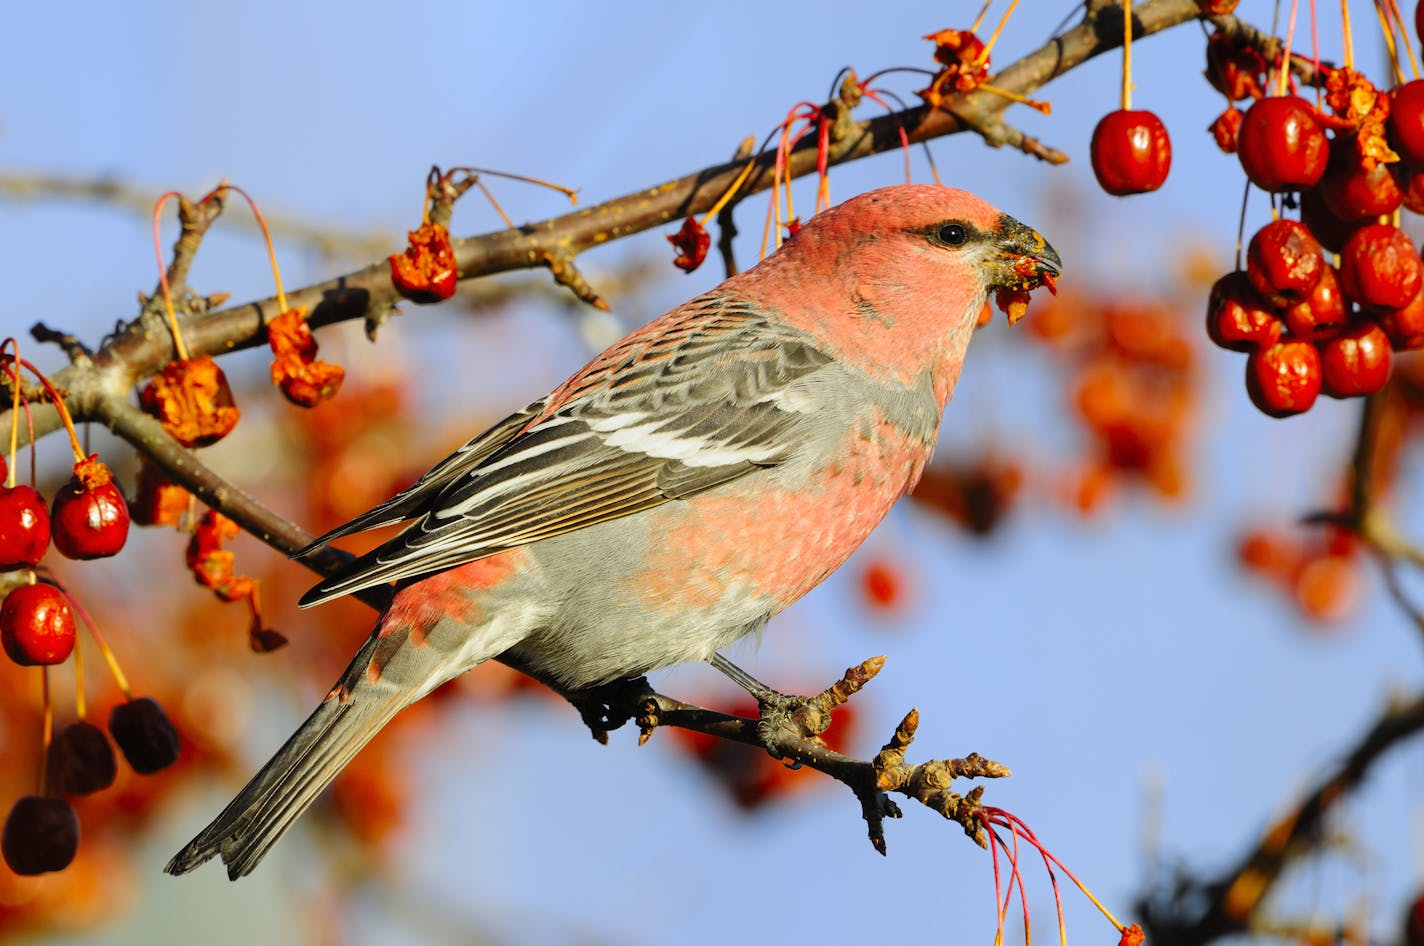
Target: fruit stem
{"points": [[1126, 55], [727, 195], [48, 731], [568, 192], [1315, 58], [1387, 27], [59, 406], [104, 647], [766, 227], [494, 203], [14, 409], [266, 236], [1044, 107], [1284, 85], [999, 909], [178, 346], [1015, 879], [431, 180], [823, 155], [1345, 32], [1241, 224], [79, 704], [1003, 20], [979, 20], [1404, 34], [874, 96], [1013, 821]]}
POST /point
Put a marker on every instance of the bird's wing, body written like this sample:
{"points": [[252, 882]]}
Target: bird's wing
{"points": [[414, 500], [691, 401]]}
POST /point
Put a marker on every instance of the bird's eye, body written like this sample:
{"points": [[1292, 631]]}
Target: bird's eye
{"points": [[953, 234]]}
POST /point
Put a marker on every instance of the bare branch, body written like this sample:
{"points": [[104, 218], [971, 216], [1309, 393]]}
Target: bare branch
{"points": [[367, 294], [327, 239], [1199, 911]]}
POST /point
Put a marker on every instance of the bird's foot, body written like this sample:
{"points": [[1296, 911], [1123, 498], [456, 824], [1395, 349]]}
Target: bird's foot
{"points": [[784, 718], [608, 706]]}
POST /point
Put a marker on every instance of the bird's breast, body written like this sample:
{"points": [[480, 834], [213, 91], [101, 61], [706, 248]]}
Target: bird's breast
{"points": [[778, 533]]}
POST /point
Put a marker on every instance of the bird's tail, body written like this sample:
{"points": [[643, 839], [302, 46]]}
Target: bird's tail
{"points": [[263, 811]]}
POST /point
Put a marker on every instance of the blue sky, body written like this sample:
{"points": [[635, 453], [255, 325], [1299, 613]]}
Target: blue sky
{"points": [[1098, 660]]}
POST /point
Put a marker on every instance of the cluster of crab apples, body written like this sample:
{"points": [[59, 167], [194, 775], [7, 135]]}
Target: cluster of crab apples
{"points": [[88, 518], [1348, 161], [1309, 325]]}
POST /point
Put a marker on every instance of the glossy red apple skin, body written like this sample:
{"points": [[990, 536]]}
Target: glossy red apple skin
{"points": [[1353, 191], [1237, 318], [1406, 122], [1380, 268], [1284, 379], [24, 527], [1284, 262], [1405, 325], [1131, 152], [1322, 314], [1356, 362], [1281, 144], [37, 625], [89, 523]]}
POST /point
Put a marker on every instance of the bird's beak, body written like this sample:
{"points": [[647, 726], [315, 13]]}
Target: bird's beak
{"points": [[1025, 261]]}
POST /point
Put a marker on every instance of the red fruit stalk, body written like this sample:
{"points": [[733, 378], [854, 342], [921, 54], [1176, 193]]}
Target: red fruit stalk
{"points": [[1131, 153]]}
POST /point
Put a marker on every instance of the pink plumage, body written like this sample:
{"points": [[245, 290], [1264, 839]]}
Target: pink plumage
{"points": [[687, 484]]}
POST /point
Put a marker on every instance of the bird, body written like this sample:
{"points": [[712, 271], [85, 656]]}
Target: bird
{"points": [[687, 484]]}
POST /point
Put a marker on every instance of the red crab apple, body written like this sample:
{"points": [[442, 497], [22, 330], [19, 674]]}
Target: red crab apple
{"points": [[1353, 191], [24, 527], [89, 522], [1131, 152], [1405, 325], [1281, 144], [1284, 379], [1414, 913], [1321, 314], [1284, 262], [1237, 317], [1406, 122], [1380, 267], [1356, 362], [36, 625], [1330, 231]]}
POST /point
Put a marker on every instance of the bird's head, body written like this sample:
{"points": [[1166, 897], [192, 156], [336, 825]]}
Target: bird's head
{"points": [[903, 272], [931, 228]]}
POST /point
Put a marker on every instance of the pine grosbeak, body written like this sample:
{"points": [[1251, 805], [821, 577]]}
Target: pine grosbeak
{"points": [[691, 481]]}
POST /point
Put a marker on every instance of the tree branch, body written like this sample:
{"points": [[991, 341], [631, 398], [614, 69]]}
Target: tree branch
{"points": [[98, 386], [1200, 911], [136, 352]]}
